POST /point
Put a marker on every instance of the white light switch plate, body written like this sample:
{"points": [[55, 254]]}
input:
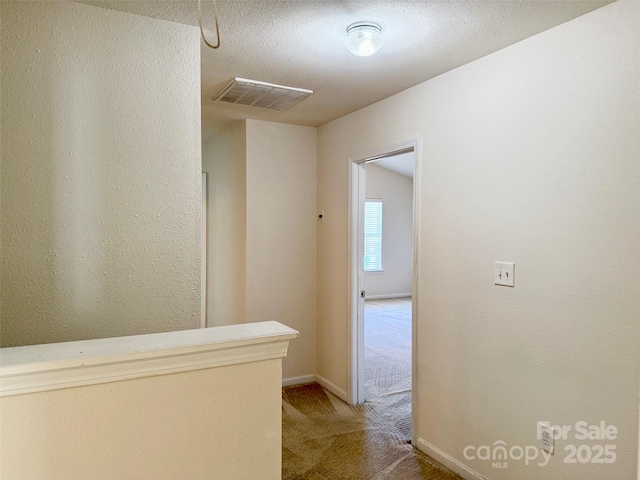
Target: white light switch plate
{"points": [[503, 273]]}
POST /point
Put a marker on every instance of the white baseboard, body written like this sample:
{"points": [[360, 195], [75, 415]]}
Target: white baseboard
{"points": [[448, 461], [390, 295], [287, 382], [333, 388]]}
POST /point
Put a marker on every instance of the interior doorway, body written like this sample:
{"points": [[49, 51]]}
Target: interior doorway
{"points": [[382, 356]]}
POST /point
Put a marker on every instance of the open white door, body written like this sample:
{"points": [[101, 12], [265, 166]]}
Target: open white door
{"points": [[357, 196], [357, 294]]}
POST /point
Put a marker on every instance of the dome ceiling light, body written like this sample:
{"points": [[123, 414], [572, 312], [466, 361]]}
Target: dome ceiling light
{"points": [[364, 38]]}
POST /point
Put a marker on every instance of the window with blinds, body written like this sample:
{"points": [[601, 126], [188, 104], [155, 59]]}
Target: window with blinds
{"points": [[372, 235]]}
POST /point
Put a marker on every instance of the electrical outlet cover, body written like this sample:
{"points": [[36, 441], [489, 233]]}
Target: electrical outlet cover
{"points": [[546, 437]]}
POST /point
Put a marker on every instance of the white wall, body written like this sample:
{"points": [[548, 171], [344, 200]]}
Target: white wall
{"points": [[281, 235], [262, 232], [224, 160], [100, 184], [396, 193], [528, 155], [202, 424]]}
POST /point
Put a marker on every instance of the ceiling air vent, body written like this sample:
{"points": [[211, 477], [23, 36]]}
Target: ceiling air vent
{"points": [[262, 94]]}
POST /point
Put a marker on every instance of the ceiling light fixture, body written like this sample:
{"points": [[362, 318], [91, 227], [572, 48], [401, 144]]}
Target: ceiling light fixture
{"points": [[364, 38]]}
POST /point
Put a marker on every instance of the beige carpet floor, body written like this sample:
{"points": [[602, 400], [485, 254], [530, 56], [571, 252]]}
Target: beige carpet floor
{"points": [[326, 439]]}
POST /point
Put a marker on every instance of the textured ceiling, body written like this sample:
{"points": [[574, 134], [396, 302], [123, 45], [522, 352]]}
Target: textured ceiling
{"points": [[301, 43]]}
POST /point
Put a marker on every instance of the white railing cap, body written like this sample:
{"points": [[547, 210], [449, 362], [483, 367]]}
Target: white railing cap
{"points": [[35, 368]]}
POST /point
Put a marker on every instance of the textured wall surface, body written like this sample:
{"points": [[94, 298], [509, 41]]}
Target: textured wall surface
{"points": [[100, 184], [528, 155], [198, 425], [396, 193], [281, 235]]}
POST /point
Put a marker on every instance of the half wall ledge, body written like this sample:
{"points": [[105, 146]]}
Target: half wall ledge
{"points": [[54, 366]]}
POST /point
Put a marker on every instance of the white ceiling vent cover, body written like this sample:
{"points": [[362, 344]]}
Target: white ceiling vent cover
{"points": [[262, 94]]}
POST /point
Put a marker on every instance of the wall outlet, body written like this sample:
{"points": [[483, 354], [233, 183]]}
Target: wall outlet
{"points": [[503, 273], [546, 437]]}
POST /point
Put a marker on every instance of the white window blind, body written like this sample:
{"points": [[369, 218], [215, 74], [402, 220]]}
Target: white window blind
{"points": [[372, 235]]}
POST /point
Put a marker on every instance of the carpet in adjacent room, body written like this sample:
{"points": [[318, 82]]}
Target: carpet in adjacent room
{"points": [[326, 439]]}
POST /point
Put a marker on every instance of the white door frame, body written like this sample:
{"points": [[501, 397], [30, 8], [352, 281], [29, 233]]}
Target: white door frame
{"points": [[203, 254], [357, 193]]}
